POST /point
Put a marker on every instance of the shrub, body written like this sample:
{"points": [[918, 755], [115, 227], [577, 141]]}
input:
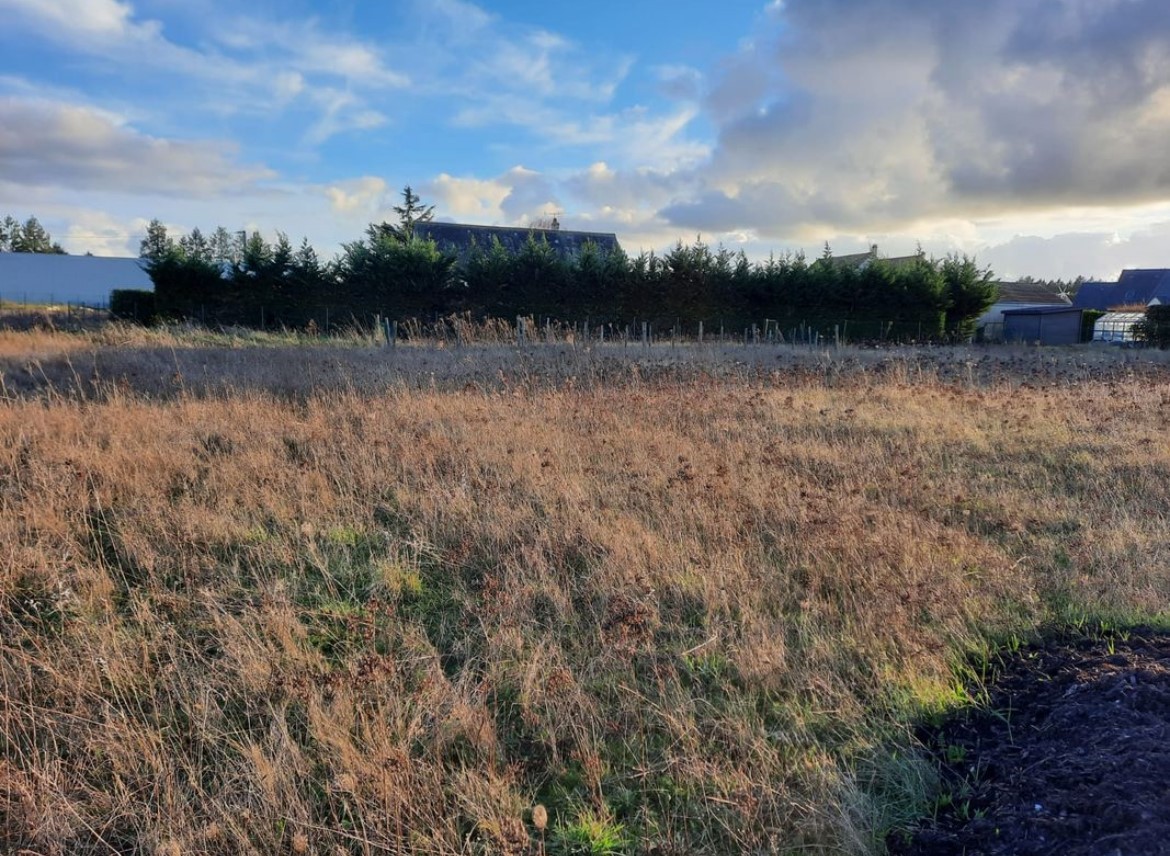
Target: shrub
{"points": [[1089, 320], [1154, 329], [133, 304]]}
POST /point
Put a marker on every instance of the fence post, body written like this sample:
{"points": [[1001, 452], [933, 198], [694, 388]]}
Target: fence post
{"points": [[700, 332], [645, 339]]}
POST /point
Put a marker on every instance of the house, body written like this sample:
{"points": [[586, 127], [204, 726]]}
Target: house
{"points": [[45, 278], [1016, 295], [459, 238], [1135, 287], [1043, 325], [863, 260]]}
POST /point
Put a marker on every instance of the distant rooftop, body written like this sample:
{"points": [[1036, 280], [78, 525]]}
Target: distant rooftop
{"points": [[1137, 286], [862, 260], [1032, 293], [460, 237]]}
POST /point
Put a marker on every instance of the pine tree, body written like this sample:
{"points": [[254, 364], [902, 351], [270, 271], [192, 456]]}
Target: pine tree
{"points": [[157, 244], [412, 212], [32, 237]]}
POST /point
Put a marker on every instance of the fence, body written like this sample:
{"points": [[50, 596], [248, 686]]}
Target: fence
{"points": [[20, 312]]}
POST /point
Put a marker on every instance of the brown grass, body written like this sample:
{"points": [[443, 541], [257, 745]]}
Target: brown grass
{"points": [[697, 615]]}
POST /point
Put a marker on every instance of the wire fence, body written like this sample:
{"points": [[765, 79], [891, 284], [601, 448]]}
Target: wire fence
{"points": [[20, 312]]}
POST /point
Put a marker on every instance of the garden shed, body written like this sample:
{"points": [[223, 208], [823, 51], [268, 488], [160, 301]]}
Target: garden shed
{"points": [[1044, 325]]}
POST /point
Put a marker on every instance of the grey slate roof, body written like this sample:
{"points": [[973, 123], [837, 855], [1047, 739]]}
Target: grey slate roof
{"points": [[861, 260], [1134, 287], [458, 238], [1031, 293]]}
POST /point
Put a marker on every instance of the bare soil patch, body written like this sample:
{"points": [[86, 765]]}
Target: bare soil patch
{"points": [[1069, 756]]}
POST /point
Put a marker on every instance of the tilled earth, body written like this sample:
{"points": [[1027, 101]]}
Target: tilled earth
{"points": [[1070, 756]]}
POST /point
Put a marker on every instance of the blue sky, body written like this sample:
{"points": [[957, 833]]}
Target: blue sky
{"points": [[1029, 132]]}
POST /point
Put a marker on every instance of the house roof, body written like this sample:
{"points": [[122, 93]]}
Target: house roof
{"points": [[1135, 286], [40, 277], [459, 237], [861, 260], [1095, 295], [1032, 293], [1042, 310]]}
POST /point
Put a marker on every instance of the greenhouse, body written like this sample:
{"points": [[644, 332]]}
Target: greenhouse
{"points": [[1117, 327]]}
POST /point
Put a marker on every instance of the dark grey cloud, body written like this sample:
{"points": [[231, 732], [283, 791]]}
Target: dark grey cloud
{"points": [[52, 144], [849, 114]]}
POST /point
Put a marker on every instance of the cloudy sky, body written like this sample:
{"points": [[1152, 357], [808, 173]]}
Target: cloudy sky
{"points": [[1032, 133]]}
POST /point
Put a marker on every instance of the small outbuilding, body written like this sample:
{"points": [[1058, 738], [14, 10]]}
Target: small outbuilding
{"points": [[1117, 327], [1043, 325]]}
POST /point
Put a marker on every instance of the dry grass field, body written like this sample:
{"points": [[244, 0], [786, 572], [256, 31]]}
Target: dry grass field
{"points": [[340, 601]]}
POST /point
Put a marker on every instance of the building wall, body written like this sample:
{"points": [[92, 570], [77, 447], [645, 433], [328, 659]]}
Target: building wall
{"points": [[1055, 328], [43, 278], [994, 313]]}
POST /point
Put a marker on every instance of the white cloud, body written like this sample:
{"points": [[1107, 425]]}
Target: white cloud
{"points": [[468, 200], [341, 112], [1093, 254], [365, 196], [77, 18], [100, 233], [254, 65]]}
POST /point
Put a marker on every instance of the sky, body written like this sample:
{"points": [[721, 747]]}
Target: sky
{"points": [[1032, 134]]}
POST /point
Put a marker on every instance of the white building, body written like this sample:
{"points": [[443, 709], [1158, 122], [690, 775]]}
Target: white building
{"points": [[45, 278]]}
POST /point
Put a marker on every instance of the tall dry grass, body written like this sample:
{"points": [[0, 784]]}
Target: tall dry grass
{"points": [[685, 617]]}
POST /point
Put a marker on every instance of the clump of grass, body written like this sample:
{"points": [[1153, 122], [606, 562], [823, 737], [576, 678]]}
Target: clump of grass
{"points": [[697, 614]]}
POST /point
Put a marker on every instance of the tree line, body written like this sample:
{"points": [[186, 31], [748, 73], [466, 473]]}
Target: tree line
{"points": [[27, 237], [236, 278]]}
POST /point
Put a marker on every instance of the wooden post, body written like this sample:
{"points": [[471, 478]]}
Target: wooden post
{"points": [[393, 334], [700, 332], [645, 335]]}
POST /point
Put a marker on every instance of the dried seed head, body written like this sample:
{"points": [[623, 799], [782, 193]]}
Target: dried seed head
{"points": [[539, 817], [300, 843]]}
